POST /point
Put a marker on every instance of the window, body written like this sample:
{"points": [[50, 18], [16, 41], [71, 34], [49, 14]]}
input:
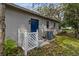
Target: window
{"points": [[54, 25], [47, 24]]}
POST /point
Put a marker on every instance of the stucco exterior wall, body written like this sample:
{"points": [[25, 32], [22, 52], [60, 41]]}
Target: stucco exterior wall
{"points": [[15, 20]]}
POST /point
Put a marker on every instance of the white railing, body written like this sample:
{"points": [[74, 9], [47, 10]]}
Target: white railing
{"points": [[27, 40]]}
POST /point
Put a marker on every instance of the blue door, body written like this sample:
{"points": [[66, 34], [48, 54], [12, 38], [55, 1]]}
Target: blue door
{"points": [[34, 25]]}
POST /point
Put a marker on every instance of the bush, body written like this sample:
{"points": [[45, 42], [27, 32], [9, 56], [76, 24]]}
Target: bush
{"points": [[10, 48]]}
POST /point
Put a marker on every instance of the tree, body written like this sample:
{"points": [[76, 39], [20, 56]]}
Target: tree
{"points": [[2, 26], [51, 10], [71, 16]]}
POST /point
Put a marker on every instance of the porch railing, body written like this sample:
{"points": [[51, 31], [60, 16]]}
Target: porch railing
{"points": [[27, 40]]}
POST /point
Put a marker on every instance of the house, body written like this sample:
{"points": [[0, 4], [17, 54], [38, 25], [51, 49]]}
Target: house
{"points": [[17, 17]]}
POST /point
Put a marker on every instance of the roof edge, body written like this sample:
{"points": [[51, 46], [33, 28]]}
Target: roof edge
{"points": [[29, 11]]}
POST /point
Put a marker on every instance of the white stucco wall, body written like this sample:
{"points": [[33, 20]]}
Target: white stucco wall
{"points": [[15, 19]]}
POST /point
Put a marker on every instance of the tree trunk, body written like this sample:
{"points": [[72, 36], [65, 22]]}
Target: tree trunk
{"points": [[2, 26], [76, 33]]}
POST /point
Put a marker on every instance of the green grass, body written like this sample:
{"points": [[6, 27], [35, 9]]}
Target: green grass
{"points": [[62, 45], [70, 45]]}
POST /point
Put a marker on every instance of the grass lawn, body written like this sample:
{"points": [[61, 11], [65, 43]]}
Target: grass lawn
{"points": [[62, 45]]}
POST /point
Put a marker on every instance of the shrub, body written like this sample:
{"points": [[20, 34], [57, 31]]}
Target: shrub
{"points": [[10, 48]]}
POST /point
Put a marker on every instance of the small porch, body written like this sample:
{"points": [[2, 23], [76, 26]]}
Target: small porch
{"points": [[30, 40]]}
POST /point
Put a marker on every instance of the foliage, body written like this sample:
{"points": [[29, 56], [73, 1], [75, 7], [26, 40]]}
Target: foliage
{"points": [[71, 16], [62, 45], [9, 43], [10, 48], [51, 10]]}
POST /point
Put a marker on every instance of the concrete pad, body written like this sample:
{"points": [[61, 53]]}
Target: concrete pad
{"points": [[44, 43]]}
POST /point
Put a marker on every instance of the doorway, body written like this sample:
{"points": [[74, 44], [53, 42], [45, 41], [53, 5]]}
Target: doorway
{"points": [[34, 25]]}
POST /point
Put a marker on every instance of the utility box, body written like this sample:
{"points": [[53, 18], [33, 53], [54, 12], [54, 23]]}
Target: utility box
{"points": [[50, 35]]}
